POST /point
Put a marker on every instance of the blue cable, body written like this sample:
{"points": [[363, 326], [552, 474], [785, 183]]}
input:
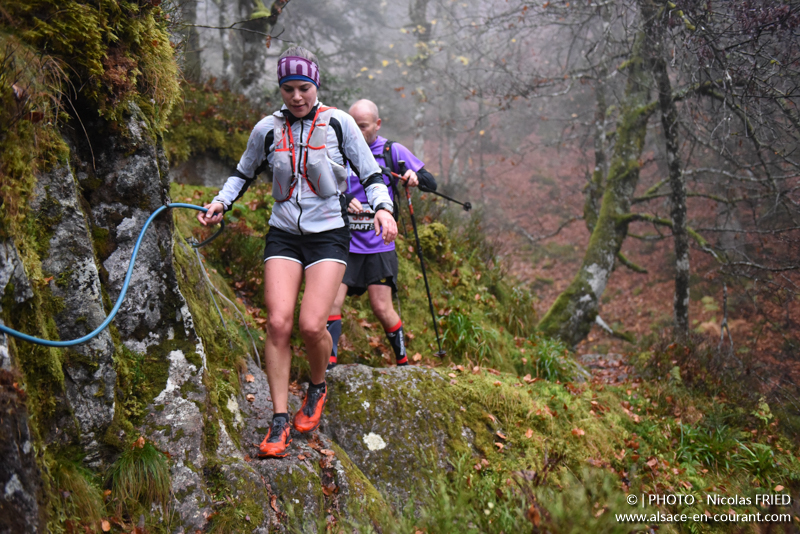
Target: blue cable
{"points": [[121, 297]]}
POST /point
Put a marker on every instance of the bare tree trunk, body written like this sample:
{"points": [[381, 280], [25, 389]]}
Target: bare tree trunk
{"points": [[574, 311], [669, 121], [594, 189]]}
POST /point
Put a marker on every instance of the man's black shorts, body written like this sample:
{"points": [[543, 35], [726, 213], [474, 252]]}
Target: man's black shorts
{"points": [[308, 249], [370, 269]]}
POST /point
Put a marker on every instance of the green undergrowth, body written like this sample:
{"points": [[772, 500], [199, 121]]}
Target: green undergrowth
{"points": [[565, 456], [209, 120], [140, 478]]}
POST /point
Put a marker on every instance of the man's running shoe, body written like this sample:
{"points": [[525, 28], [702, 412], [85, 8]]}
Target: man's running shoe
{"points": [[277, 440], [307, 419], [331, 363]]}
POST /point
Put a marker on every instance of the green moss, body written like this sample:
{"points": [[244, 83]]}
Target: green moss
{"points": [[115, 52], [434, 240], [364, 499], [140, 378]]}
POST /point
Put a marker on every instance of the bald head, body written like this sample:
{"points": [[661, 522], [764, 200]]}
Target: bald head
{"points": [[365, 113], [365, 106]]}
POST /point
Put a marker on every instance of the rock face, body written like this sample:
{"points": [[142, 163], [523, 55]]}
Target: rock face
{"points": [[69, 263], [129, 183], [201, 170], [11, 271], [20, 483], [392, 422]]}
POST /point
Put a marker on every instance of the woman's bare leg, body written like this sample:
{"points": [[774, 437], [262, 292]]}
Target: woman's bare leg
{"points": [[322, 285], [281, 286]]}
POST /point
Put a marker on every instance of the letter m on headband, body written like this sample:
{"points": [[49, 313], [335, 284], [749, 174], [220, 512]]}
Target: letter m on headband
{"points": [[297, 68]]}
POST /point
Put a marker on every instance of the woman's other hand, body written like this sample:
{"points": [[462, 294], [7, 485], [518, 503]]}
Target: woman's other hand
{"points": [[213, 215], [355, 206]]}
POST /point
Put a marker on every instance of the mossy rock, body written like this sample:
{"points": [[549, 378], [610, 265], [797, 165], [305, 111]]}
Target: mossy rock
{"points": [[392, 422], [434, 239]]}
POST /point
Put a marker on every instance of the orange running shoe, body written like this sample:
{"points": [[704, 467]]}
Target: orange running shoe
{"points": [[277, 440], [307, 419]]}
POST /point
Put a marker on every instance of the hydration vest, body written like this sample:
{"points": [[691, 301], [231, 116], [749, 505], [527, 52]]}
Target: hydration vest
{"points": [[324, 176]]}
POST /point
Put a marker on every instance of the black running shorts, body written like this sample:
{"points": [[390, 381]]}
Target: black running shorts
{"points": [[308, 249], [370, 269]]}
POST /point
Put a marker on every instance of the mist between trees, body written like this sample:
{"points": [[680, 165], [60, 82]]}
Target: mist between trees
{"points": [[660, 121]]}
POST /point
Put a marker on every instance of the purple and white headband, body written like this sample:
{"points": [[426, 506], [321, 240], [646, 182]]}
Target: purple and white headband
{"points": [[297, 68]]}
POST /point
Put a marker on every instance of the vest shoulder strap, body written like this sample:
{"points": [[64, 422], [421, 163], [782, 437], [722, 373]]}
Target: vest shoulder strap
{"points": [[388, 159]]}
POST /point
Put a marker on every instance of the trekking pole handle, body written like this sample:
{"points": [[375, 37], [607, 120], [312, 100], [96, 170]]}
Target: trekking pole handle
{"points": [[466, 205]]}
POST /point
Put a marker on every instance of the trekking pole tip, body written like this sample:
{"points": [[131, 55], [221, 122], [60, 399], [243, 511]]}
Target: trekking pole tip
{"points": [[467, 206], [442, 353]]}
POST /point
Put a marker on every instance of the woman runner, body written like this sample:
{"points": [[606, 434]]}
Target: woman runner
{"points": [[307, 146]]}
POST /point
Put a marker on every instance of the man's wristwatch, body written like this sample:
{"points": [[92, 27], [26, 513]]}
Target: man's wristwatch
{"points": [[385, 206]]}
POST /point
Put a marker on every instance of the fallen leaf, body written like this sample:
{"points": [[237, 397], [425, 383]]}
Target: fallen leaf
{"points": [[451, 375], [501, 435], [477, 467], [498, 383], [417, 357], [273, 499], [329, 490], [107, 492], [534, 516], [250, 397], [363, 323], [778, 488], [327, 452], [499, 445], [490, 416], [105, 525], [477, 297], [476, 370], [484, 462], [301, 456], [529, 434], [249, 378], [138, 443], [578, 431]]}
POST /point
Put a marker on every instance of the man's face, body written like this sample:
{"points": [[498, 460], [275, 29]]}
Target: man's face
{"points": [[299, 96], [367, 122]]}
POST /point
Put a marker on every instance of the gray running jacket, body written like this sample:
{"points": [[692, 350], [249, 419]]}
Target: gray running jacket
{"points": [[304, 212]]}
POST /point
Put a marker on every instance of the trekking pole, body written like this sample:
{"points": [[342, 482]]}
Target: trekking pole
{"points": [[467, 205], [441, 352]]}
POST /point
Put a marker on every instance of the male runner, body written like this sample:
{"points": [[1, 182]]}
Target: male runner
{"points": [[372, 264]]}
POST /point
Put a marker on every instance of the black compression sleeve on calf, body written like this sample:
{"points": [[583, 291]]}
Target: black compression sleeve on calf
{"points": [[397, 341], [335, 329]]}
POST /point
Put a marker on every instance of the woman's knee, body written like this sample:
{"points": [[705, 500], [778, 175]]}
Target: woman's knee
{"points": [[279, 328], [312, 329]]}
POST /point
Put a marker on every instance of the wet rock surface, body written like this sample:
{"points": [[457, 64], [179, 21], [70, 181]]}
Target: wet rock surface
{"points": [[127, 185], [20, 480], [11, 271], [74, 281]]}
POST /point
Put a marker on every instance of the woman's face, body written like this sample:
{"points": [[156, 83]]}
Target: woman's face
{"points": [[299, 96]]}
